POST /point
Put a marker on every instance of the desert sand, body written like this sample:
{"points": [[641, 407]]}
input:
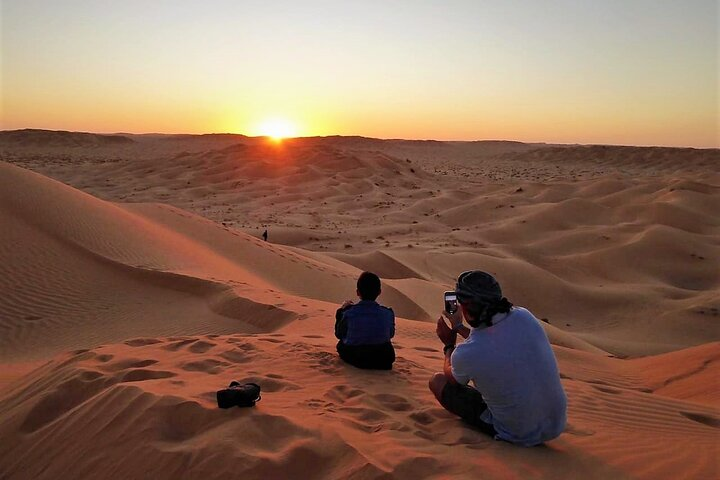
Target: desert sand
{"points": [[134, 284]]}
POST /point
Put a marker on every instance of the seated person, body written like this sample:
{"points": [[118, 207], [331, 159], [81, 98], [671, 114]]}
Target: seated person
{"points": [[365, 328], [503, 379]]}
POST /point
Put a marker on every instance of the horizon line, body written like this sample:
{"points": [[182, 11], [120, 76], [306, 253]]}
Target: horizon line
{"points": [[545, 142]]}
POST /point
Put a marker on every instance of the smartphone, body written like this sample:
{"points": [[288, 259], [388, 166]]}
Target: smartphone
{"points": [[451, 302]]}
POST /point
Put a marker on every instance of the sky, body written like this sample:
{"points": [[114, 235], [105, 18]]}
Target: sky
{"points": [[631, 72]]}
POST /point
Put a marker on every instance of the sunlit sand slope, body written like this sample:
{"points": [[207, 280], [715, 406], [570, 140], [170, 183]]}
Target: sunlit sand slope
{"points": [[86, 413], [618, 245], [77, 271]]}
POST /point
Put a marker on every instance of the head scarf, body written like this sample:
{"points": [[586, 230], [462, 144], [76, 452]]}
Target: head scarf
{"points": [[479, 287]]}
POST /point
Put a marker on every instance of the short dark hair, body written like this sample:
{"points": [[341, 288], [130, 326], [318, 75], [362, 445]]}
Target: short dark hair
{"points": [[368, 286]]}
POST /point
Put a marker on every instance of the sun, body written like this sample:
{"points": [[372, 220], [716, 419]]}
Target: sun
{"points": [[277, 128]]}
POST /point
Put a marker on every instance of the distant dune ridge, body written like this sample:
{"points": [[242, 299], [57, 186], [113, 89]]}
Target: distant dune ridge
{"points": [[138, 286], [30, 138]]}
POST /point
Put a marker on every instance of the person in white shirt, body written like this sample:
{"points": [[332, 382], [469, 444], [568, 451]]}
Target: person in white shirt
{"points": [[516, 394]]}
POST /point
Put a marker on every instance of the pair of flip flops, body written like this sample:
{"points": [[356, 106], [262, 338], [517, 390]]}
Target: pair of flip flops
{"points": [[238, 395]]}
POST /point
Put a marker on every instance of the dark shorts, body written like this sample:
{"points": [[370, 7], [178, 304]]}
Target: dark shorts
{"points": [[372, 357], [467, 403]]}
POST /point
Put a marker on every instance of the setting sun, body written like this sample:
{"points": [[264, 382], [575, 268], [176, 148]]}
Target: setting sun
{"points": [[277, 128]]}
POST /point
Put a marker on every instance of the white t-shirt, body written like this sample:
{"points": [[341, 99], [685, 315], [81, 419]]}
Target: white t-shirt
{"points": [[513, 366]]}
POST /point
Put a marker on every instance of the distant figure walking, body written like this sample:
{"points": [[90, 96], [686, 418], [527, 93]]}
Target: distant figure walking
{"points": [[516, 394], [264, 235], [365, 328]]}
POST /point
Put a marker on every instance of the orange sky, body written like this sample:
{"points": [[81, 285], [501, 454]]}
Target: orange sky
{"points": [[638, 72]]}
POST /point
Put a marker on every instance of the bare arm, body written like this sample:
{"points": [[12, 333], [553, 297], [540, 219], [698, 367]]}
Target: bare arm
{"points": [[448, 337], [463, 330], [456, 320], [447, 367]]}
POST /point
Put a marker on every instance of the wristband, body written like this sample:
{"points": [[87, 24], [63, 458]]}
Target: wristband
{"points": [[448, 347]]}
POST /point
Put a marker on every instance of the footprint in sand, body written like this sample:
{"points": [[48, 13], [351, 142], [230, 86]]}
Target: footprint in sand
{"points": [[702, 418], [178, 344], [141, 374], [209, 365], [316, 403], [422, 417], [236, 356], [271, 384], [127, 364], [242, 344], [298, 347], [393, 402], [364, 414], [326, 362], [141, 342], [270, 340], [201, 346], [341, 393]]}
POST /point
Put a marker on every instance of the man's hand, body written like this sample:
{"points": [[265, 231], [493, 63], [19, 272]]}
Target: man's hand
{"points": [[447, 336], [456, 318], [346, 304]]}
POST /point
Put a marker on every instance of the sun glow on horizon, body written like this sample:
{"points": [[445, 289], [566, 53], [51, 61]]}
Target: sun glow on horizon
{"points": [[277, 128], [502, 69]]}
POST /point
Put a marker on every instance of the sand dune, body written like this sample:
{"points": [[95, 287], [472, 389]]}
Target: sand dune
{"points": [[152, 399], [44, 139], [82, 255], [138, 286], [616, 232]]}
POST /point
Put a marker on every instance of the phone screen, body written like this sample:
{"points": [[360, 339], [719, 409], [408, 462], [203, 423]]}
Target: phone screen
{"points": [[450, 302]]}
